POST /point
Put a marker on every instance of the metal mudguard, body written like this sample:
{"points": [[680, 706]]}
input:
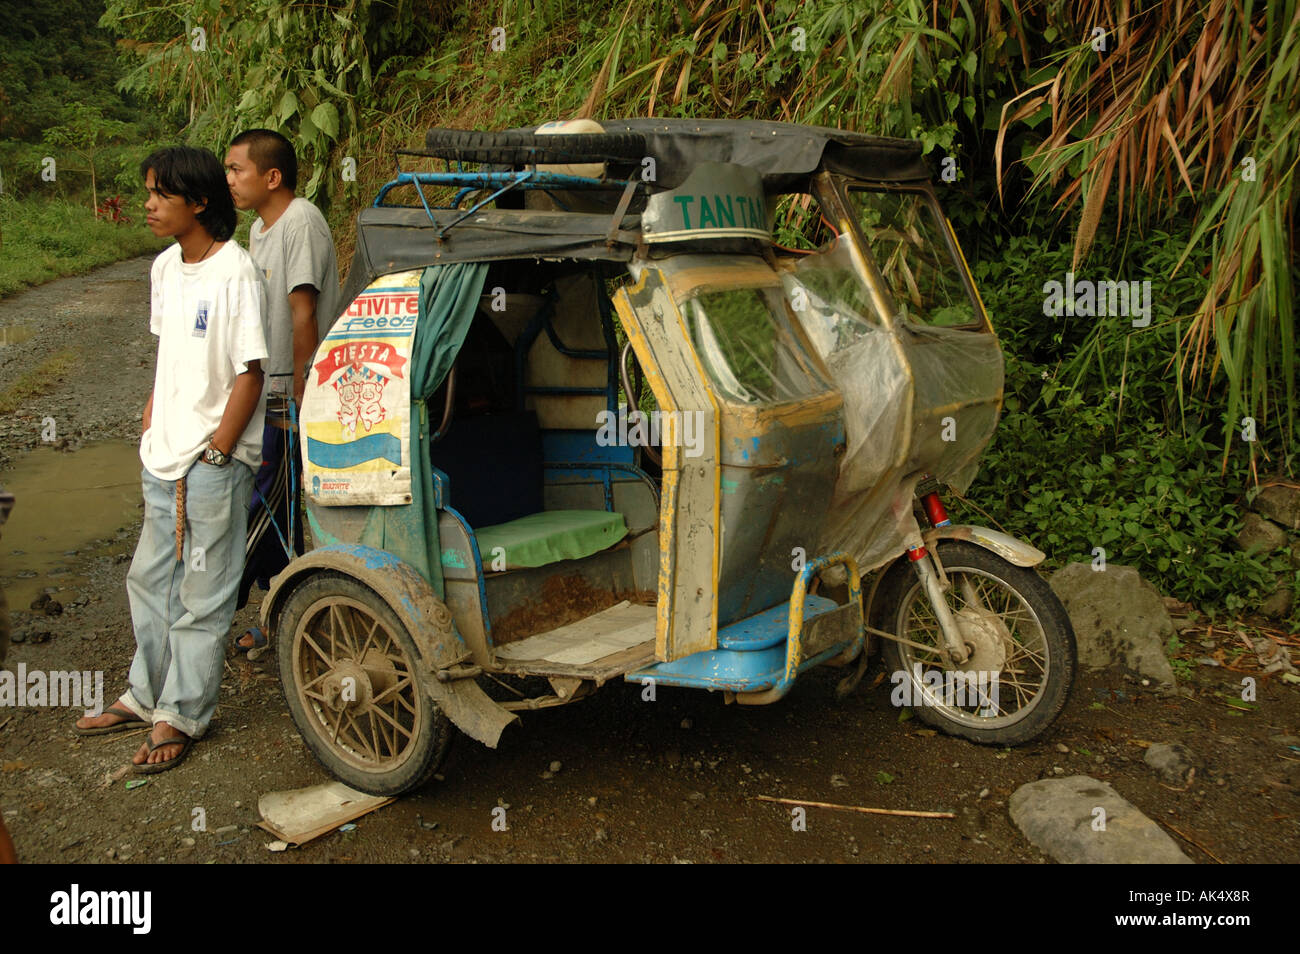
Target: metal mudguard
{"points": [[1003, 544], [425, 617]]}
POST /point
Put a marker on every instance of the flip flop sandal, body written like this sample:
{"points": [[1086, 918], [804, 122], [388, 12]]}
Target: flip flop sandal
{"points": [[260, 640], [184, 741], [130, 721]]}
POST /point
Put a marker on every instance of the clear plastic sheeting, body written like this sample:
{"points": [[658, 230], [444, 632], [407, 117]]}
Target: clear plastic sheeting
{"points": [[958, 375], [916, 400]]}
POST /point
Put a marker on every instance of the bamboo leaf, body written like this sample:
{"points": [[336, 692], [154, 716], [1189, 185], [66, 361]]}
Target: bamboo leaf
{"points": [[325, 117], [288, 105]]}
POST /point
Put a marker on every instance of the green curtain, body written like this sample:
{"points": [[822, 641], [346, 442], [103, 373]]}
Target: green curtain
{"points": [[449, 296]]}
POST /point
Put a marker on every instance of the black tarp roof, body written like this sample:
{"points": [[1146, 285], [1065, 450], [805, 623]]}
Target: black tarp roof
{"points": [[783, 153], [397, 239]]}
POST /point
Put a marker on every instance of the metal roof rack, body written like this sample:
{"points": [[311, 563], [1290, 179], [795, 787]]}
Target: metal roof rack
{"points": [[471, 181]]}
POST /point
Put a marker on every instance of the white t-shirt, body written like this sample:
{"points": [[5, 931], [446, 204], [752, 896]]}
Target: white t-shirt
{"points": [[296, 250], [210, 319]]}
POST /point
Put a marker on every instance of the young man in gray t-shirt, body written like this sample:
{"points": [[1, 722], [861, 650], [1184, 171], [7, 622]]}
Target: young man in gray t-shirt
{"points": [[291, 245]]}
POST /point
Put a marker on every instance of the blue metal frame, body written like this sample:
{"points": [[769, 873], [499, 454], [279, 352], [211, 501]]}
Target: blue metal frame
{"points": [[603, 471], [478, 569], [292, 503], [755, 661], [502, 181], [441, 482], [476, 181], [763, 653], [576, 454]]}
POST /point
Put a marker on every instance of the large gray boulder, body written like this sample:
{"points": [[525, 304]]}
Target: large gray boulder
{"points": [[1281, 504], [1119, 619], [1265, 537], [1061, 817], [1260, 534]]}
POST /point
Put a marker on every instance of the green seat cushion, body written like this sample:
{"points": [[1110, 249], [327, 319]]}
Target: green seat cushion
{"points": [[550, 536]]}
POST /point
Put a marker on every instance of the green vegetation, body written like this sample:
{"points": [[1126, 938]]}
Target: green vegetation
{"points": [[314, 71], [70, 144], [45, 239], [52, 54], [1100, 446], [39, 380], [1142, 112], [1118, 156]]}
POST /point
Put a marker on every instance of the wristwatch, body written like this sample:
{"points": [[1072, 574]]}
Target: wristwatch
{"points": [[214, 457]]}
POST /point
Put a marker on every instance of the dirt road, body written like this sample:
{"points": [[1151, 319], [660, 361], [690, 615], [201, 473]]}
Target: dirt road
{"points": [[669, 780]]}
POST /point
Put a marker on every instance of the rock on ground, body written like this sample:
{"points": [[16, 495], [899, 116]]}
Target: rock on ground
{"points": [[1058, 815], [1281, 504], [1119, 619], [1279, 603], [1261, 534], [1173, 763]]}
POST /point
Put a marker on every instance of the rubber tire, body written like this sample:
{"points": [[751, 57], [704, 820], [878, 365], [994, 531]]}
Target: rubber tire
{"points": [[510, 148], [433, 736], [1058, 637]]}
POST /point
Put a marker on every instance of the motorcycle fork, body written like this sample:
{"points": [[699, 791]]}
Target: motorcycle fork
{"points": [[936, 584]]}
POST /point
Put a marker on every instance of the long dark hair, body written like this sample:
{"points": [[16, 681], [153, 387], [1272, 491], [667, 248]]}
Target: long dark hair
{"points": [[197, 176]]}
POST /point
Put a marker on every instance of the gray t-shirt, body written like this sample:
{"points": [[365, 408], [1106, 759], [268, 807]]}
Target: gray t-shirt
{"points": [[296, 250]]}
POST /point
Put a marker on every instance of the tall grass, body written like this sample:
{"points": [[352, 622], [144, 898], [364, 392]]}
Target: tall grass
{"points": [[45, 238], [1191, 109]]}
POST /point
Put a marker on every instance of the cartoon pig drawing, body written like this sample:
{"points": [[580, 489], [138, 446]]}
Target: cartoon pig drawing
{"points": [[359, 400], [369, 410]]}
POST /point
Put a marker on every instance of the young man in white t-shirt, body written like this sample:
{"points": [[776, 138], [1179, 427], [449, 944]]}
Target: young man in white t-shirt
{"points": [[202, 439], [290, 243]]}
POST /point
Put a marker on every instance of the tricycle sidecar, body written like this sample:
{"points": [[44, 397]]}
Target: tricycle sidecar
{"points": [[583, 419]]}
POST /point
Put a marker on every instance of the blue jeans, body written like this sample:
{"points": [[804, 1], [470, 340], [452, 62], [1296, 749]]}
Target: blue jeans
{"points": [[182, 609]]}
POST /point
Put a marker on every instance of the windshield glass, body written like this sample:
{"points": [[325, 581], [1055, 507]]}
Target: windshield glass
{"points": [[907, 238], [748, 348]]}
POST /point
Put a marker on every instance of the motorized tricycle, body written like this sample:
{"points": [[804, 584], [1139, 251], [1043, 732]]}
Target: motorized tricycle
{"points": [[671, 402]]}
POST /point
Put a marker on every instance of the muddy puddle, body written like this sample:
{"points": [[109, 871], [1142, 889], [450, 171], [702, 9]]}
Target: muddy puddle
{"points": [[67, 505], [14, 334]]}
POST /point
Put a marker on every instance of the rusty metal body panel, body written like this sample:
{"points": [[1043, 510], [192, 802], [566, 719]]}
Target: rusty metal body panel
{"points": [[689, 504], [778, 460]]}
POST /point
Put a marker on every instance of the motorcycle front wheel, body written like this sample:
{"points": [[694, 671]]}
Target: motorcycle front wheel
{"points": [[1022, 652]]}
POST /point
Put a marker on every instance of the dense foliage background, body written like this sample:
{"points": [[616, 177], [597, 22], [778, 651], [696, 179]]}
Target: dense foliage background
{"points": [[1122, 141], [58, 72]]}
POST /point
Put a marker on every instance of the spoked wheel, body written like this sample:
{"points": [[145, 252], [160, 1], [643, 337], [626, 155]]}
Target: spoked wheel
{"points": [[1022, 652], [347, 666]]}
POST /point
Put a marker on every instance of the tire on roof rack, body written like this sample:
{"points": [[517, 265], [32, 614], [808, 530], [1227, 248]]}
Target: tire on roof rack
{"points": [[513, 148]]}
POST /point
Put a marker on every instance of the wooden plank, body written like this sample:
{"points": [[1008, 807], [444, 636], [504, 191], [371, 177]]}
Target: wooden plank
{"points": [[589, 642], [600, 671]]}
